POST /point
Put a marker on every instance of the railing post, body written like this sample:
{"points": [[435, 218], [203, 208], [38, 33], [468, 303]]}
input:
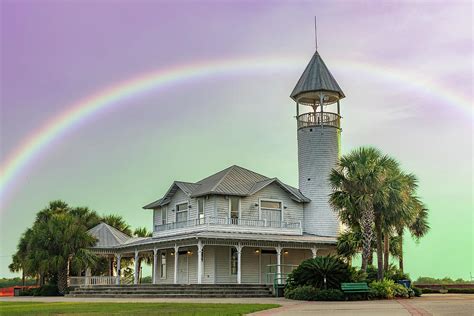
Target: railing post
{"points": [[301, 227]]}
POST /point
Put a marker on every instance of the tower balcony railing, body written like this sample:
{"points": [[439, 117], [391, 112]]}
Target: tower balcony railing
{"points": [[319, 119]]}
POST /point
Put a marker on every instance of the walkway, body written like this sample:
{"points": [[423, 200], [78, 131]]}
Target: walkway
{"points": [[432, 304]]}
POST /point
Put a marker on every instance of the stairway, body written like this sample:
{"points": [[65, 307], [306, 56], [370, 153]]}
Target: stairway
{"points": [[173, 290]]}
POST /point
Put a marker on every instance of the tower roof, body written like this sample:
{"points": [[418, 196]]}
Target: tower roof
{"points": [[107, 236], [316, 77]]}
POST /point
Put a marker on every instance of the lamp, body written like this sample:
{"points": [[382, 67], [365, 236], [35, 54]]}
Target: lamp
{"points": [[257, 251]]}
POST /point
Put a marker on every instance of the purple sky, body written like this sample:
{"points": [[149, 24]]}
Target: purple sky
{"points": [[56, 52]]}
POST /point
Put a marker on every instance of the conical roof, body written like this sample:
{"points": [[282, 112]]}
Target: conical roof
{"points": [[107, 236], [316, 77]]}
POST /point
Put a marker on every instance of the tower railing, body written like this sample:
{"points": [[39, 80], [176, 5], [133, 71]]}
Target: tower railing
{"points": [[317, 119]]}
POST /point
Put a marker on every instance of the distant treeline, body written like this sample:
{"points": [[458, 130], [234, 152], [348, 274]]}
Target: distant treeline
{"points": [[4, 282], [428, 280]]}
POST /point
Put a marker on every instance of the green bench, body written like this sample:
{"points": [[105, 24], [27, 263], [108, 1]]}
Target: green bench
{"points": [[355, 288]]}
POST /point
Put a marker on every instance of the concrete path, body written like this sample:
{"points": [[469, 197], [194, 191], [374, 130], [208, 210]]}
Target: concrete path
{"points": [[432, 304]]}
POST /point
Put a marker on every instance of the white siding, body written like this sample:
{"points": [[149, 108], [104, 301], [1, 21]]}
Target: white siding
{"points": [[318, 151], [209, 265], [250, 265], [222, 261]]}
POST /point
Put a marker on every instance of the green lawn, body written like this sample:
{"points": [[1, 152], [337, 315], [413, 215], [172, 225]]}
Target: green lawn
{"points": [[109, 308]]}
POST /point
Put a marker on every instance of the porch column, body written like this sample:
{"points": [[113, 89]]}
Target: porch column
{"points": [[239, 263], [155, 264], [119, 273], [176, 255], [135, 274], [314, 250], [278, 250], [200, 267]]}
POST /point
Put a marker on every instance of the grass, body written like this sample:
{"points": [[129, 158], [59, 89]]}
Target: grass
{"points": [[116, 308]]}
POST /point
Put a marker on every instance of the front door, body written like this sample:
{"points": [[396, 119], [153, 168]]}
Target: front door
{"points": [[183, 269], [267, 273]]}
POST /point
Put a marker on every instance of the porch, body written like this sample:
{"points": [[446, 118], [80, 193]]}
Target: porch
{"points": [[209, 261]]}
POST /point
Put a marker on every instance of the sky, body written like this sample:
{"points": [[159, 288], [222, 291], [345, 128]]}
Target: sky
{"points": [[405, 68]]}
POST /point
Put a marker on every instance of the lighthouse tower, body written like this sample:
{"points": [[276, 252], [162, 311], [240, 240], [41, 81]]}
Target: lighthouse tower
{"points": [[317, 96]]}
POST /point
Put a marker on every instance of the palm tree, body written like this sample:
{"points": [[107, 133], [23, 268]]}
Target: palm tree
{"points": [[143, 232], [418, 228], [118, 222], [356, 183], [60, 242]]}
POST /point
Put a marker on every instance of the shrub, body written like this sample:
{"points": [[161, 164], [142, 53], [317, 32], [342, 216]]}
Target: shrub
{"points": [[46, 290], [392, 274], [429, 291], [28, 292], [465, 291], [400, 290], [303, 293], [330, 295], [382, 289], [327, 272], [418, 292]]}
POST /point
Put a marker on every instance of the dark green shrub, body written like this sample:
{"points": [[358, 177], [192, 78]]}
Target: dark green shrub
{"points": [[28, 292], [429, 291], [330, 295], [418, 292], [47, 290], [303, 293], [326, 272], [392, 274], [465, 291]]}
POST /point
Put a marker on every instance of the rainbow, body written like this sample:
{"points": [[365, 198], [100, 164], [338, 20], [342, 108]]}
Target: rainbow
{"points": [[37, 142]]}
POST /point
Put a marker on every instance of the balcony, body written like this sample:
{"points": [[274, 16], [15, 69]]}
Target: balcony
{"points": [[217, 224], [317, 119]]}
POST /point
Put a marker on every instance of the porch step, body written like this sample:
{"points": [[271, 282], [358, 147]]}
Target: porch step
{"points": [[173, 290]]}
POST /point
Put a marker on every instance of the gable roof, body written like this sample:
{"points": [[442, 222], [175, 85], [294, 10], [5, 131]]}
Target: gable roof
{"points": [[316, 77], [234, 180], [107, 236]]}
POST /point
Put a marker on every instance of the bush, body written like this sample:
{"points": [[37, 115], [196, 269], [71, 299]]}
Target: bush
{"points": [[326, 272], [28, 292], [330, 295], [392, 274], [303, 293], [464, 291], [400, 290], [382, 289], [418, 292], [429, 291], [46, 290]]}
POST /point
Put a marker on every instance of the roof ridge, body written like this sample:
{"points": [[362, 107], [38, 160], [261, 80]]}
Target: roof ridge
{"points": [[223, 177]]}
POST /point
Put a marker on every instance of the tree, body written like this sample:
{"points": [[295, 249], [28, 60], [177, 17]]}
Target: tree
{"points": [[148, 258], [118, 222], [356, 183]]}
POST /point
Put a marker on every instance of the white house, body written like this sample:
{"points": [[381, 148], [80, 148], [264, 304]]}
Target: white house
{"points": [[238, 226]]}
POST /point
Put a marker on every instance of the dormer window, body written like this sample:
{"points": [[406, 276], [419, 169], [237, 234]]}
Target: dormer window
{"points": [[182, 212]]}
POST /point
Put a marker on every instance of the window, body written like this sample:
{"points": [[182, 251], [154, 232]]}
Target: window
{"points": [[182, 212], [271, 212], [163, 265], [164, 215], [234, 208], [233, 261], [201, 210]]}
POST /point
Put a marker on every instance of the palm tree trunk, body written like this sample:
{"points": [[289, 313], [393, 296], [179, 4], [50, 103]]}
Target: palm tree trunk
{"points": [[386, 251], [370, 261], [366, 226], [378, 235], [400, 257], [62, 280]]}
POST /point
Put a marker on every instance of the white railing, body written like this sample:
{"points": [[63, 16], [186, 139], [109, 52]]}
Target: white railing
{"points": [[226, 221], [92, 280]]}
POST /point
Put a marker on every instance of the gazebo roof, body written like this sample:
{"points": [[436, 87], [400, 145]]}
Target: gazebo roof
{"points": [[108, 236]]}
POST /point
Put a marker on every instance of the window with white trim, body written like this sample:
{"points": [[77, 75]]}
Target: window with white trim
{"points": [[234, 209], [201, 210], [182, 212], [164, 215], [271, 212]]}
